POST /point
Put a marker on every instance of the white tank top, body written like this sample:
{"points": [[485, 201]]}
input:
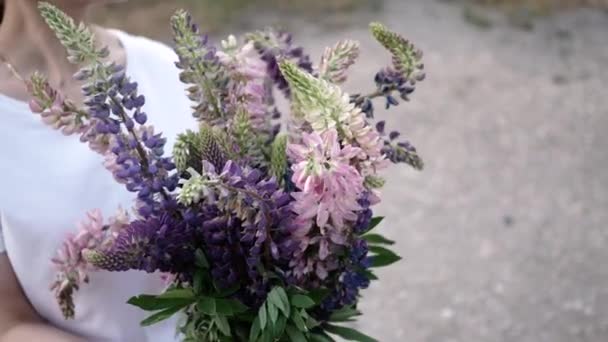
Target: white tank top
{"points": [[47, 183]]}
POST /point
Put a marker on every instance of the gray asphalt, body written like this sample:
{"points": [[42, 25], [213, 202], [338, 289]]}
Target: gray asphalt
{"points": [[505, 233]]}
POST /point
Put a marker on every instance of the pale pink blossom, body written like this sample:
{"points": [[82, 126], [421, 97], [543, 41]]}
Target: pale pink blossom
{"points": [[329, 184], [72, 269]]}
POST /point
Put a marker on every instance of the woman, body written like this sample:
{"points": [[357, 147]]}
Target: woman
{"points": [[48, 181]]}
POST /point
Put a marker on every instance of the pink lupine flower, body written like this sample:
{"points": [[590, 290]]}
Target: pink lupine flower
{"points": [[329, 184], [72, 269], [247, 76]]}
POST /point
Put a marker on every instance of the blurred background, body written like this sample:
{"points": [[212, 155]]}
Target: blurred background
{"points": [[505, 233]]}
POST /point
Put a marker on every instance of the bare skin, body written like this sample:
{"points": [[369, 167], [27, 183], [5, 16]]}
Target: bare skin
{"points": [[28, 45]]}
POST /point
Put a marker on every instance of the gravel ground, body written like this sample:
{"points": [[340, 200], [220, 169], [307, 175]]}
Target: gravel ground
{"points": [[504, 234]]}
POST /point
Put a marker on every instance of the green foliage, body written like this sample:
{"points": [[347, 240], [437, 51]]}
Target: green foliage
{"points": [[377, 239], [345, 314], [302, 301], [348, 333], [406, 57], [374, 223], [382, 256], [284, 316], [167, 304]]}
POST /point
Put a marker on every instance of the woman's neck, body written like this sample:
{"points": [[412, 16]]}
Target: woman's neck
{"points": [[28, 43]]}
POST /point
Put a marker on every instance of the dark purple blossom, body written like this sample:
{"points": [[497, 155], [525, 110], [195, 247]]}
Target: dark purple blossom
{"points": [[163, 243], [350, 281]]}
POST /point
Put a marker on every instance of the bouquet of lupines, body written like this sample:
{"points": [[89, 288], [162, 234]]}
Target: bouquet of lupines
{"points": [[262, 233]]}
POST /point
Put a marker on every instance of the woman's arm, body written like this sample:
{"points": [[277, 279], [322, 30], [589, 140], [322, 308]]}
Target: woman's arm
{"points": [[18, 320]]}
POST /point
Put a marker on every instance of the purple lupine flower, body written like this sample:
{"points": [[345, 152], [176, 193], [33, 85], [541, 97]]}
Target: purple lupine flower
{"points": [[157, 243], [246, 224], [200, 69], [399, 151], [350, 281], [138, 153]]}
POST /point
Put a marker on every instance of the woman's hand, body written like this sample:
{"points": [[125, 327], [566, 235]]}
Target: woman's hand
{"points": [[18, 319]]}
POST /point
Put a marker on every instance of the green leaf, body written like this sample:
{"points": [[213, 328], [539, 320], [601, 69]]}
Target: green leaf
{"points": [[296, 318], [263, 316], [273, 312], [377, 239], [200, 259], [160, 316], [369, 274], [285, 300], [277, 297], [383, 257], [154, 303], [344, 314], [178, 293], [255, 330], [311, 323], [198, 281], [207, 305], [229, 307], [227, 291], [375, 222], [222, 324], [348, 333], [318, 295], [266, 336], [302, 301], [279, 328], [321, 338], [294, 334]]}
